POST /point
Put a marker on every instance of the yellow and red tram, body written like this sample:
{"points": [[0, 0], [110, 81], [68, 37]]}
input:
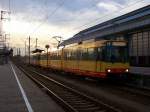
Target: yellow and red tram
{"points": [[92, 58]]}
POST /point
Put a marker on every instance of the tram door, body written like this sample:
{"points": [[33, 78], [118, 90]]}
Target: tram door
{"points": [[104, 57], [99, 59]]}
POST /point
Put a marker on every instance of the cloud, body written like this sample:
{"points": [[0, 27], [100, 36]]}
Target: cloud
{"points": [[109, 6], [65, 22], [113, 8]]}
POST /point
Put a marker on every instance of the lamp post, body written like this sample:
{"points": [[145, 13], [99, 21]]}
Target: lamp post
{"points": [[47, 47]]}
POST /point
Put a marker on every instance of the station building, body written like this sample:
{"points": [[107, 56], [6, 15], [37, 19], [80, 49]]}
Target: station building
{"points": [[133, 27]]}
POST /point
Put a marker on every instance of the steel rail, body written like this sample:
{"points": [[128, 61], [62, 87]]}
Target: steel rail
{"points": [[72, 100]]}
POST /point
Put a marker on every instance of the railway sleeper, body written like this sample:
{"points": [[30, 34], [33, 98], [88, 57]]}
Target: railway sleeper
{"points": [[77, 100], [92, 109], [84, 106]]}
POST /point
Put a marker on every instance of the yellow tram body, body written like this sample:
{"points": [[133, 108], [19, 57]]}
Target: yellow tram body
{"points": [[72, 58]]}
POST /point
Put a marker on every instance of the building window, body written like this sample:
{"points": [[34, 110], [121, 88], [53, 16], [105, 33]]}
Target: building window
{"points": [[139, 51], [145, 43]]}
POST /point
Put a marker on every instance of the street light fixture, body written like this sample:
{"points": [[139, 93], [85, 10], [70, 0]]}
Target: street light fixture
{"points": [[47, 47]]}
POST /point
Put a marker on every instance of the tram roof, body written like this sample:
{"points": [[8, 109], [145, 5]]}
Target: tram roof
{"points": [[132, 20]]}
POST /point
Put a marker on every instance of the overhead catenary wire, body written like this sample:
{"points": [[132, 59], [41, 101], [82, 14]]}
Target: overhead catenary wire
{"points": [[74, 19], [106, 15], [9, 6], [45, 4], [43, 9], [47, 16], [124, 7], [50, 15]]}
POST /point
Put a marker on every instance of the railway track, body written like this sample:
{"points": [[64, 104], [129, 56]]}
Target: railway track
{"points": [[126, 88], [134, 95], [72, 100]]}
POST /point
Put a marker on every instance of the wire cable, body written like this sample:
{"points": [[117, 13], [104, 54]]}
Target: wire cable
{"points": [[88, 23], [53, 12]]}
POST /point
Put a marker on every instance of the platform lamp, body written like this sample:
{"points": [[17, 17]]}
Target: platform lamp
{"points": [[47, 47]]}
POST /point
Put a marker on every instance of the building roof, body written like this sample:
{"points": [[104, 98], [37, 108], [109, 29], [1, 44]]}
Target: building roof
{"points": [[135, 19]]}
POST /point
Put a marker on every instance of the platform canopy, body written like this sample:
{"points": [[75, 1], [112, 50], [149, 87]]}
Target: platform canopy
{"points": [[37, 51]]}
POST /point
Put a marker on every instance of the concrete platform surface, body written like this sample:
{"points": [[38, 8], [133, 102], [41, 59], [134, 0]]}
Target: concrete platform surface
{"points": [[19, 94]]}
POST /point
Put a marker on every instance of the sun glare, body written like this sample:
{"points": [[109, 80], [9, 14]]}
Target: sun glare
{"points": [[14, 26]]}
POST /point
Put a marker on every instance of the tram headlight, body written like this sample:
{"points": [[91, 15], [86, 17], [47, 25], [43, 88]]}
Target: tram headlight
{"points": [[127, 70], [108, 70]]}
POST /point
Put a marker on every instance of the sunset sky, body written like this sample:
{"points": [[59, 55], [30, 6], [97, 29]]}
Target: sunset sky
{"points": [[43, 19]]}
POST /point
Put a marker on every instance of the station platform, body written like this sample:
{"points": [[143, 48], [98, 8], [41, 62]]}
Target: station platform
{"points": [[20, 94]]}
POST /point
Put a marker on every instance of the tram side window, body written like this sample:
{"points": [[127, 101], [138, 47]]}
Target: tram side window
{"points": [[88, 54], [73, 55], [52, 56], [57, 56], [102, 54], [70, 54], [65, 55], [33, 57], [42, 57], [98, 54], [38, 57], [91, 54], [84, 55], [79, 56]]}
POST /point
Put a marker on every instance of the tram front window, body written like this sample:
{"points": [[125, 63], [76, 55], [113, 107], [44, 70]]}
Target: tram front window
{"points": [[116, 53]]}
